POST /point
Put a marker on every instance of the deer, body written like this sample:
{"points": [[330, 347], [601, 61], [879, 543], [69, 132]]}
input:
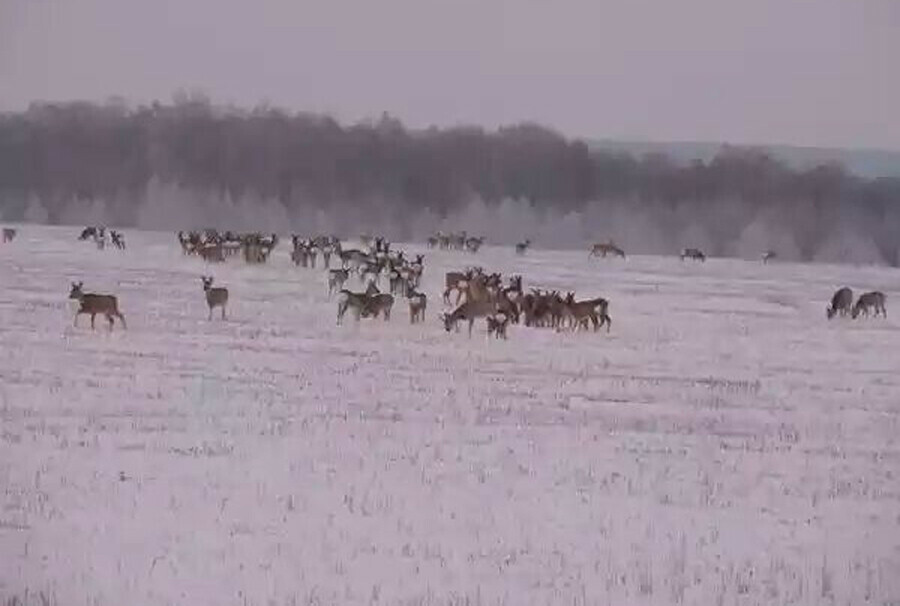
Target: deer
{"points": [[378, 303], [693, 253], [94, 304], [473, 244], [580, 312], [841, 302], [470, 310], [522, 247], [455, 280], [9, 234], [496, 325], [768, 256], [355, 300], [215, 296], [601, 249], [418, 303], [869, 300], [336, 280]]}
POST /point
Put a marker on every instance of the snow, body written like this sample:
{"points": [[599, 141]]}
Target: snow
{"points": [[723, 444]]}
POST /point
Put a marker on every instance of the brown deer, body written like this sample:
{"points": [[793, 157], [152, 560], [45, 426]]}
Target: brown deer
{"points": [[93, 304], [768, 256], [867, 301], [9, 234], [841, 302], [470, 310], [496, 325], [378, 303], [215, 297], [458, 281], [355, 300], [603, 249], [336, 280], [693, 253], [418, 302], [580, 312], [522, 247]]}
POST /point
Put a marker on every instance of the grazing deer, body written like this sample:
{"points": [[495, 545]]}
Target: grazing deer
{"points": [[841, 303], [215, 297], [601, 249], [522, 247], [470, 310], [93, 304], [496, 325], [336, 279], [693, 253], [9, 234], [768, 256], [355, 300], [418, 303], [868, 301]]}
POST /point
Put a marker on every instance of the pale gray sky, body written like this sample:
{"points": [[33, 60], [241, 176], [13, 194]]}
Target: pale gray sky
{"points": [[808, 72]]}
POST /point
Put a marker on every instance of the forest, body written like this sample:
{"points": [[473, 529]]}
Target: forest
{"points": [[193, 163]]}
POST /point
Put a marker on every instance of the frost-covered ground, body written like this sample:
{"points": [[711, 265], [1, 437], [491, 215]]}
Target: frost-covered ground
{"points": [[724, 444]]}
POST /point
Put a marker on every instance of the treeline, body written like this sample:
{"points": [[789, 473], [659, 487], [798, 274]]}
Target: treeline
{"points": [[162, 165]]}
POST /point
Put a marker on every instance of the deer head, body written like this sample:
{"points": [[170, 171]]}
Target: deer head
{"points": [[76, 292]]}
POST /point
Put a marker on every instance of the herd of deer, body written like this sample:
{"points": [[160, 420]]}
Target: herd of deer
{"points": [[455, 241], [98, 235], [213, 247], [478, 294], [403, 275]]}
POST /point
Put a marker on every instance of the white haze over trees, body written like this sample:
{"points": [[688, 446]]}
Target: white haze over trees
{"points": [[192, 164]]}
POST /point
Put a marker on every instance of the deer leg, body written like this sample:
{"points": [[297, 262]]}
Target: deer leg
{"points": [[75, 322], [223, 312], [210, 313], [92, 320], [471, 323], [122, 320]]}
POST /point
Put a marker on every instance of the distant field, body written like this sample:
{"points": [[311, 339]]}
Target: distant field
{"points": [[723, 444]]}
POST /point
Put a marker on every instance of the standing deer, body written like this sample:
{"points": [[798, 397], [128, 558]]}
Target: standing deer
{"points": [[841, 302], [522, 247], [418, 302], [215, 297], [355, 300], [693, 253], [868, 301], [768, 256], [496, 325], [9, 234], [581, 312], [378, 303], [93, 304], [336, 279]]}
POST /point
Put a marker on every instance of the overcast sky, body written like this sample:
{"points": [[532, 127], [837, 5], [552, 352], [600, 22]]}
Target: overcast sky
{"points": [[808, 72]]}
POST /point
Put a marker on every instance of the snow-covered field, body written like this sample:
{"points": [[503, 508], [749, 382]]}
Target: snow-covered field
{"points": [[723, 444]]}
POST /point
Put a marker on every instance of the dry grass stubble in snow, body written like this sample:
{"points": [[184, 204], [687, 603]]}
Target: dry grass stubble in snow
{"points": [[723, 444]]}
